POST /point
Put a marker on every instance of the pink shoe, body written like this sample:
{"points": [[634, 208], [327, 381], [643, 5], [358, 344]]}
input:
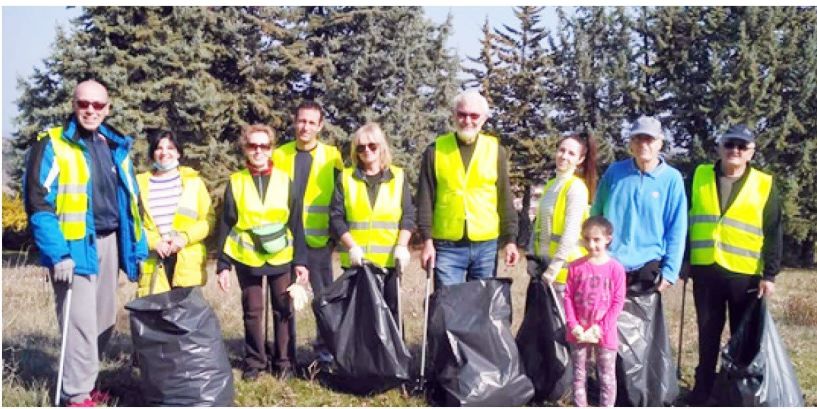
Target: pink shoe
{"points": [[87, 403], [100, 397]]}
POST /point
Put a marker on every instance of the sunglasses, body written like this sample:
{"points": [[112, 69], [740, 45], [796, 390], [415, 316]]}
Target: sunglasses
{"points": [[742, 146], [253, 146], [83, 104], [468, 115], [362, 148]]}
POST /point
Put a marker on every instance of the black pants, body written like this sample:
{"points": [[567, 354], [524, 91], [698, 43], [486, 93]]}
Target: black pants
{"points": [[283, 321], [319, 263], [716, 291], [390, 289]]}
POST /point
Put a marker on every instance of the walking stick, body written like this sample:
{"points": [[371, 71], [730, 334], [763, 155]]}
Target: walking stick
{"points": [[429, 269], [67, 313], [681, 331], [399, 272]]}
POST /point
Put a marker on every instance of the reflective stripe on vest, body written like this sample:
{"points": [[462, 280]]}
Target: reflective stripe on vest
{"points": [[72, 184], [557, 227], [375, 230], [733, 240], [319, 187], [466, 195], [253, 213]]}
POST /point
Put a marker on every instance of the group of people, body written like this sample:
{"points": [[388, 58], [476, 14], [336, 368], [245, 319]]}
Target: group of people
{"points": [[289, 206]]}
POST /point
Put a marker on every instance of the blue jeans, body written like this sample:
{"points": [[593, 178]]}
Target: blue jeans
{"points": [[458, 261]]}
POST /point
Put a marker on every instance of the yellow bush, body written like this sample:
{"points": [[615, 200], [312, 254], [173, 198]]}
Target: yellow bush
{"points": [[14, 214]]}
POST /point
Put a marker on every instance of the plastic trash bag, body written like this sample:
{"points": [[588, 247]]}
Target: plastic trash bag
{"points": [[473, 355], [180, 351], [360, 331], [543, 348], [755, 367], [645, 370]]}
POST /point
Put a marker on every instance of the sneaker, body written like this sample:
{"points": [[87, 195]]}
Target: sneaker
{"points": [[250, 374], [87, 403], [100, 397], [324, 357]]}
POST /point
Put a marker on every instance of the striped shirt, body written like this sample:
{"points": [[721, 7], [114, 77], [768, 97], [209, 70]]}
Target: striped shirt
{"points": [[163, 199]]}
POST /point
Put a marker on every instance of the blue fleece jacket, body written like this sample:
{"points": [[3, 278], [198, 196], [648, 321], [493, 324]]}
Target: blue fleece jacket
{"points": [[648, 211]]}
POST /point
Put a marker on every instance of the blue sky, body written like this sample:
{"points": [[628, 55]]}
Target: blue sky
{"points": [[28, 33]]}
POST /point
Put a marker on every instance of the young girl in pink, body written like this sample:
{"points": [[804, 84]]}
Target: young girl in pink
{"points": [[594, 296]]}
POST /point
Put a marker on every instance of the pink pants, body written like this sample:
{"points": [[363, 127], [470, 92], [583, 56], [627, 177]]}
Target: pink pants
{"points": [[606, 360]]}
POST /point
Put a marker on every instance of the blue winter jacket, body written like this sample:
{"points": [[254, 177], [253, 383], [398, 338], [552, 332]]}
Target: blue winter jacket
{"points": [[40, 205]]}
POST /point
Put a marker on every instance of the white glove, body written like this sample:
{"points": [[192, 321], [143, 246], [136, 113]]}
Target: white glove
{"points": [[64, 271], [578, 332], [298, 295], [356, 256], [592, 335], [401, 254]]}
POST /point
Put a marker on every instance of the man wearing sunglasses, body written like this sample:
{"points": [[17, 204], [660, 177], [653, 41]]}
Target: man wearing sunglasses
{"points": [[465, 203], [313, 167], [82, 202], [735, 245]]}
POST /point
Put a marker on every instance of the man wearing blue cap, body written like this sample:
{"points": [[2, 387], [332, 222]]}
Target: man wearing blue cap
{"points": [[735, 245], [645, 200]]}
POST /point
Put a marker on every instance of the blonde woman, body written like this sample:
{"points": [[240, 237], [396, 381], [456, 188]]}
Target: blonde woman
{"points": [[178, 217], [260, 236], [371, 211]]}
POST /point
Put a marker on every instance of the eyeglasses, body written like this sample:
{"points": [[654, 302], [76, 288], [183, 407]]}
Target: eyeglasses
{"points": [[468, 115], [253, 146], [83, 104], [742, 146], [362, 148]]}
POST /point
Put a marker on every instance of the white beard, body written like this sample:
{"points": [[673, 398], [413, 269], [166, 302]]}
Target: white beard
{"points": [[467, 137]]}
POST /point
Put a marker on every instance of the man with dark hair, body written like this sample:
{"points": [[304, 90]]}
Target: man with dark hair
{"points": [[81, 197], [313, 167]]}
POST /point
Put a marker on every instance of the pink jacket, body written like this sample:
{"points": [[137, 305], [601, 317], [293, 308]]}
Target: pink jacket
{"points": [[594, 294]]}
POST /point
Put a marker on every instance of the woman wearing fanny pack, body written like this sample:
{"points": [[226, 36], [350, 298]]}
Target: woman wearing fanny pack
{"points": [[259, 236], [178, 216], [371, 210], [564, 207]]}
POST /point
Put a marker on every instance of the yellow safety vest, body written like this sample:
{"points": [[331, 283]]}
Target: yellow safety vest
{"points": [[319, 187], [72, 184], [195, 218], [557, 226], [733, 240], [466, 194], [253, 213], [374, 229]]}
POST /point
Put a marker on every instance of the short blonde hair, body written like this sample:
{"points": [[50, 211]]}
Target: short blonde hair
{"points": [[246, 130], [373, 131]]}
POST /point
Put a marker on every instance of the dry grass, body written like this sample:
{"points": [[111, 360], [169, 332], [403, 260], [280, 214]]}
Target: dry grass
{"points": [[31, 341]]}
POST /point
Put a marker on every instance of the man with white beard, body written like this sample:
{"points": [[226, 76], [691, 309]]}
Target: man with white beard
{"points": [[465, 205]]}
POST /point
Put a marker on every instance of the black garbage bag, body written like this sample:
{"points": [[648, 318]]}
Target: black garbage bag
{"points": [[645, 370], [179, 349], [360, 331], [543, 348], [755, 368], [473, 355]]}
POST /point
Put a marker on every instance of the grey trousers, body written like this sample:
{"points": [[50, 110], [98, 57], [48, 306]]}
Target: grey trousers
{"points": [[91, 320]]}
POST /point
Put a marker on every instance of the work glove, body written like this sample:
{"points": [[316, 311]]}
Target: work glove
{"points": [[64, 271], [550, 275], [578, 332], [592, 335], [298, 295], [401, 254], [356, 256]]}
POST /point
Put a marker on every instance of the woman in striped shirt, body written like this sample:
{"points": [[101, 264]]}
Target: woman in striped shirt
{"points": [[178, 216]]}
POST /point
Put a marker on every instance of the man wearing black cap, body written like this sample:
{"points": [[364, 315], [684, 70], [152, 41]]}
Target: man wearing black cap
{"points": [[735, 234]]}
